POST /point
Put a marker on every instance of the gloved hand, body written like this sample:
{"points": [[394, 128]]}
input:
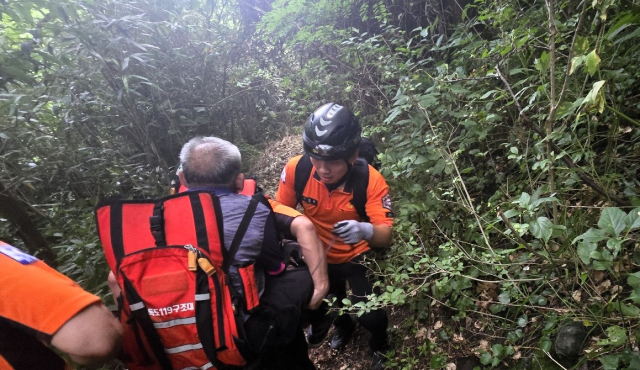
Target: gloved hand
{"points": [[352, 231]]}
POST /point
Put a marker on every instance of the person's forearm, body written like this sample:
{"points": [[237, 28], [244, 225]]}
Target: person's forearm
{"points": [[315, 258], [381, 236], [113, 287], [91, 337], [313, 252]]}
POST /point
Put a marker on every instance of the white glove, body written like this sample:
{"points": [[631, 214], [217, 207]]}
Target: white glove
{"points": [[352, 231]]}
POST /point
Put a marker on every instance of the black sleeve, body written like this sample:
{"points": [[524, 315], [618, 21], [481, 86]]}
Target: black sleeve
{"points": [[283, 225], [282, 221], [271, 256]]}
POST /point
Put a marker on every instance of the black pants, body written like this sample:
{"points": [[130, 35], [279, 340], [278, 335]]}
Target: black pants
{"points": [[355, 273], [292, 356], [288, 295]]}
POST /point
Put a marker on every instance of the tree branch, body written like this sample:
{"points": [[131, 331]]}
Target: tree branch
{"points": [[570, 57], [566, 159], [552, 92]]}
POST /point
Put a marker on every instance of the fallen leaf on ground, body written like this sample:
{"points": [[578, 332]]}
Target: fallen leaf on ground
{"points": [[603, 287], [483, 345], [577, 295], [421, 333]]}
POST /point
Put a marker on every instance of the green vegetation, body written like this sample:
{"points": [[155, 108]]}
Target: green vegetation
{"points": [[510, 134]]}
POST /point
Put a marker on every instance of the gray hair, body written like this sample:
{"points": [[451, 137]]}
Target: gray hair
{"points": [[210, 161]]}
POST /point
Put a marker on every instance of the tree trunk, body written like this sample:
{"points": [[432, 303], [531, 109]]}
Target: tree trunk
{"points": [[15, 212]]}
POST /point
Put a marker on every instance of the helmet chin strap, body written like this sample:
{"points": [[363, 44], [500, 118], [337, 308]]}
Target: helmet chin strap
{"points": [[343, 179]]}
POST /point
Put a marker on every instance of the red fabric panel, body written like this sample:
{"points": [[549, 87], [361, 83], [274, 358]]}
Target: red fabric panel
{"points": [[179, 226], [103, 217], [160, 284], [249, 187], [250, 288], [231, 355], [136, 230], [170, 301], [212, 229]]}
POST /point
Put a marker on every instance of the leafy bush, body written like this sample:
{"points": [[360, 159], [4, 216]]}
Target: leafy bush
{"points": [[509, 132]]}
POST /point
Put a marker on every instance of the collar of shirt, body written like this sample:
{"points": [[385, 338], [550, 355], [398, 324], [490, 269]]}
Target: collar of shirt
{"points": [[217, 190]]}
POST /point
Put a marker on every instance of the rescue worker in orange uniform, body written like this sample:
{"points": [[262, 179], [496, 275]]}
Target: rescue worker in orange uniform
{"points": [[41, 309], [331, 138]]}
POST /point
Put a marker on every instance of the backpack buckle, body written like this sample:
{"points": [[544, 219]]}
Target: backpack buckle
{"points": [[156, 224]]}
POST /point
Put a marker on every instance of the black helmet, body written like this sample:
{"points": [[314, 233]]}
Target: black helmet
{"points": [[332, 132]]}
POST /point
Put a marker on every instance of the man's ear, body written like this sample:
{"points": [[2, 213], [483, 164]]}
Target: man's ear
{"points": [[182, 180], [239, 182]]}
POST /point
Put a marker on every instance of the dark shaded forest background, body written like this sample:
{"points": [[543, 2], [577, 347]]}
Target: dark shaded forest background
{"points": [[509, 132]]}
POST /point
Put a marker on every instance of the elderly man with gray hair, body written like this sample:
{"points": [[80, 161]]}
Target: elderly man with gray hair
{"points": [[214, 165]]}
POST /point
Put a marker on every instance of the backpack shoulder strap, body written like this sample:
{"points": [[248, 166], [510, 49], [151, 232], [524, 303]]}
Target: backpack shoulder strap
{"points": [[261, 198], [242, 229], [303, 171], [359, 183]]}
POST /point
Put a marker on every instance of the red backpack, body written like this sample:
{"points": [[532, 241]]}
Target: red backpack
{"points": [[177, 305]]}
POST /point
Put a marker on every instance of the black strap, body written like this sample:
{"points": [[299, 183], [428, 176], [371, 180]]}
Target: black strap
{"points": [[115, 222], [135, 327], [204, 317], [260, 197], [237, 239], [303, 171], [199, 221], [156, 222], [358, 183], [143, 319]]}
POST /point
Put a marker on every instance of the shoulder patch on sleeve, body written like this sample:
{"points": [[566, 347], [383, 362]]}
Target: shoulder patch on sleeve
{"points": [[283, 175], [386, 202], [16, 254]]}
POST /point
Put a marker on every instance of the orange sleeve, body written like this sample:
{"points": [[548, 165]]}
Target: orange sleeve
{"points": [[4, 364], [38, 296], [282, 209], [378, 205], [286, 193]]}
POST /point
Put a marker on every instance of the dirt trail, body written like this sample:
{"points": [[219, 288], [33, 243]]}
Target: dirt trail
{"points": [[268, 167]]}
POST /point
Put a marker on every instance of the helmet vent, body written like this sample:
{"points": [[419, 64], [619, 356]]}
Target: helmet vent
{"points": [[332, 111]]}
